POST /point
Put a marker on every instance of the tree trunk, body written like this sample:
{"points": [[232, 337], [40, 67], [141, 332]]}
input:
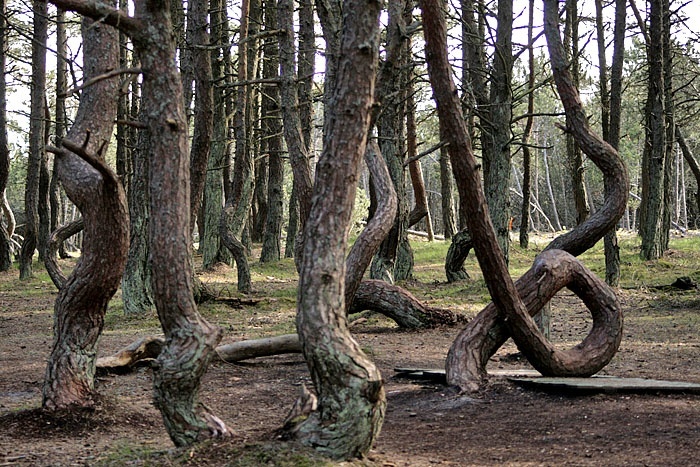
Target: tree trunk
{"points": [[573, 151], [36, 138], [377, 228], [612, 250], [235, 213], [190, 339], [692, 162], [497, 133], [394, 260], [293, 126], [506, 299], [351, 395], [526, 188], [5, 246], [137, 291], [456, 255], [203, 102], [210, 244], [96, 191], [447, 201], [43, 207], [272, 129], [653, 162]]}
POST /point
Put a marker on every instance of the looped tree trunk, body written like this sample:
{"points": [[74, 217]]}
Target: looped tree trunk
{"points": [[552, 271], [465, 366]]}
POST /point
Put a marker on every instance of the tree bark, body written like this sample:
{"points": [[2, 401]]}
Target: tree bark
{"points": [[272, 128], [446, 199], [612, 250], [137, 290], [351, 395], [5, 246], [573, 151], [203, 102], [653, 162], [456, 255], [235, 213], [56, 239], [527, 132], [36, 138], [377, 228], [691, 161], [210, 244], [96, 191], [394, 260], [292, 123]]}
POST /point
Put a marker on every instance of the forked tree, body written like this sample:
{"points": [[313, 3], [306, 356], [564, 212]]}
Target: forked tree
{"points": [[190, 339], [93, 187]]}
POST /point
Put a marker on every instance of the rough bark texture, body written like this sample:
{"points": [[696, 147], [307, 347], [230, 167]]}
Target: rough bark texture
{"points": [[190, 339], [612, 250], [349, 386], [552, 271], [573, 151], [210, 245], [137, 291], [496, 133], [651, 208], [394, 260], [36, 138], [96, 191], [235, 213], [456, 255]]}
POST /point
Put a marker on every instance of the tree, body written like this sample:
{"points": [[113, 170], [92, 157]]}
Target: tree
{"points": [[96, 191], [190, 339], [36, 137], [272, 127], [654, 156], [5, 250], [351, 395], [465, 362]]}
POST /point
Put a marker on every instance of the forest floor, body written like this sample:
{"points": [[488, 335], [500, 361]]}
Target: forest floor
{"points": [[426, 423]]}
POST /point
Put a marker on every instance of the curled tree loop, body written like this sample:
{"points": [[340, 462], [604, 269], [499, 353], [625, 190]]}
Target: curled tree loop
{"points": [[513, 303]]}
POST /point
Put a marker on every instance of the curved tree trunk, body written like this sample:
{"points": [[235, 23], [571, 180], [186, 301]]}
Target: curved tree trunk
{"points": [[460, 247], [377, 228], [351, 395], [505, 295], [401, 306], [56, 239], [96, 191]]}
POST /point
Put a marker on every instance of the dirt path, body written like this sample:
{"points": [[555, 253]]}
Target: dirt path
{"points": [[426, 424]]}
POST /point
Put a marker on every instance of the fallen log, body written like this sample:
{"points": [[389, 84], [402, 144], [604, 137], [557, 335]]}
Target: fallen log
{"points": [[145, 349], [268, 346]]}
